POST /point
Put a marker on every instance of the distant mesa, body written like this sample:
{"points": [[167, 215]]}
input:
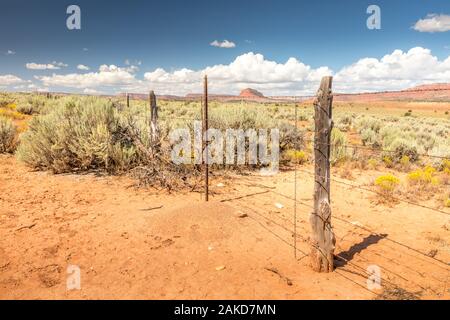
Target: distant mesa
{"points": [[437, 92], [251, 93], [431, 87]]}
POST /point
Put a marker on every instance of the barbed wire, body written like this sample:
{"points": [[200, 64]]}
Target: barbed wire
{"points": [[304, 240], [361, 187], [338, 256], [270, 189], [380, 150]]}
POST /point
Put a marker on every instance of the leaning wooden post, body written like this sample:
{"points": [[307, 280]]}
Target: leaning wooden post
{"points": [[154, 130], [323, 239], [205, 135]]}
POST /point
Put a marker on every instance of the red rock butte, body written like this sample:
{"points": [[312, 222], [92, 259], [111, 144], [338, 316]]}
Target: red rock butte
{"points": [[251, 93]]}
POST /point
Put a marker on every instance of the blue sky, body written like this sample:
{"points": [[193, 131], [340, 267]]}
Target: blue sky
{"points": [[138, 37]]}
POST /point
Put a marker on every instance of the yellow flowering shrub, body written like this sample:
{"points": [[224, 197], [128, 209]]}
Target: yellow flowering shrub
{"points": [[387, 183], [423, 177], [11, 113], [447, 203], [297, 156]]}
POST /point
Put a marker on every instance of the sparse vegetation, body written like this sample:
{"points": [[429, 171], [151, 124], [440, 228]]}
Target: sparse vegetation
{"points": [[8, 134], [100, 134], [111, 138]]}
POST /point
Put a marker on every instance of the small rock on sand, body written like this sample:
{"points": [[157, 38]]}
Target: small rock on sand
{"points": [[279, 205]]}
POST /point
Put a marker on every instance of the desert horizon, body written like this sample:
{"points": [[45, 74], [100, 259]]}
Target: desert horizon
{"points": [[225, 159]]}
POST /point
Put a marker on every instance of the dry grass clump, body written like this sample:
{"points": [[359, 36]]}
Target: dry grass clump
{"points": [[8, 134], [372, 163], [405, 163]]}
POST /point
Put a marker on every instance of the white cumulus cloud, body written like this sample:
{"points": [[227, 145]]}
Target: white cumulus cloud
{"points": [[107, 75], [246, 70], [91, 91], [395, 71], [10, 52], [433, 23], [45, 66], [82, 67], [9, 79], [223, 44], [60, 64]]}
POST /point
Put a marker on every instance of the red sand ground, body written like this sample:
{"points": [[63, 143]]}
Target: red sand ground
{"points": [[128, 248]]}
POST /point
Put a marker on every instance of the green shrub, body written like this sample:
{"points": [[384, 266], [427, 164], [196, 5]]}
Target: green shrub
{"points": [[369, 137], [26, 109], [344, 122], [4, 101], [402, 147], [80, 135], [338, 146], [8, 133]]}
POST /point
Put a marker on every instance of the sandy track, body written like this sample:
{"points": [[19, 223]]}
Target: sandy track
{"points": [[128, 247]]}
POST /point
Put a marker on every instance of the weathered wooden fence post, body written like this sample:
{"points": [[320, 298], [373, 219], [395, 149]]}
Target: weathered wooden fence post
{"points": [[128, 100], [205, 135], [323, 239], [154, 130]]}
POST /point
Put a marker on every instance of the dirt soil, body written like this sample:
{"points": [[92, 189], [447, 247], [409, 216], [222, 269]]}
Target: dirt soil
{"points": [[147, 244]]}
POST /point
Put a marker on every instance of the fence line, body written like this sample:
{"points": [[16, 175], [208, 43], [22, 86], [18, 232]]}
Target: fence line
{"points": [[363, 147], [338, 256], [270, 189], [256, 210], [361, 187]]}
